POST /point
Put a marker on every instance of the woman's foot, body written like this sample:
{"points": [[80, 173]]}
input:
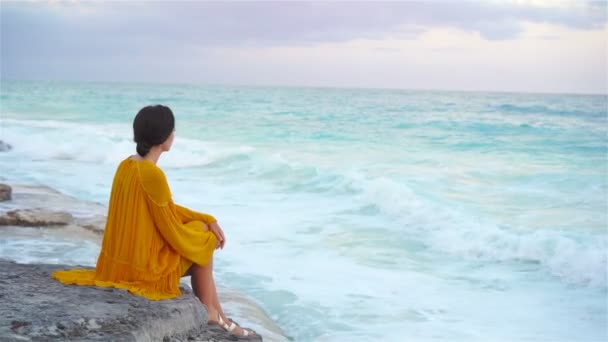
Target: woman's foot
{"points": [[232, 327], [251, 331]]}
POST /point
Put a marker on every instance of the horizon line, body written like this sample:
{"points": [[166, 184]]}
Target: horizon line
{"points": [[261, 85]]}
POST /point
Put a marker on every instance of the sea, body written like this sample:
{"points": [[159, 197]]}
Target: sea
{"points": [[354, 214]]}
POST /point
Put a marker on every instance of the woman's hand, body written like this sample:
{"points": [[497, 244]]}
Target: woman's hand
{"points": [[219, 234]]}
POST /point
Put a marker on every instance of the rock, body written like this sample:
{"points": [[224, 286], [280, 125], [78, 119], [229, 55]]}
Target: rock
{"points": [[95, 225], [5, 192], [89, 216], [37, 307], [34, 218], [4, 147]]}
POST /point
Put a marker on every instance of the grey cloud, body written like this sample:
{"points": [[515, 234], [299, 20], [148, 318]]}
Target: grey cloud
{"points": [[166, 29], [272, 23], [40, 39]]}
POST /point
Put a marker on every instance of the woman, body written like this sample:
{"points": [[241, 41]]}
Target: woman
{"points": [[150, 242]]}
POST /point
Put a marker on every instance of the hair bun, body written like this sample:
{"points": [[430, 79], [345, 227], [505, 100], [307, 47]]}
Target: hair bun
{"points": [[143, 148]]}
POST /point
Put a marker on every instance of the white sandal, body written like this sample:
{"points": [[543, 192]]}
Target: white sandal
{"points": [[247, 333]]}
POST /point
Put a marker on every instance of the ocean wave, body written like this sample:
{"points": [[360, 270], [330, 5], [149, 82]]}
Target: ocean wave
{"points": [[575, 257], [108, 144], [578, 259]]}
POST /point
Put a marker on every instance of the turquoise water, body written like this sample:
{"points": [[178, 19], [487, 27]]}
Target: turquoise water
{"points": [[357, 214]]}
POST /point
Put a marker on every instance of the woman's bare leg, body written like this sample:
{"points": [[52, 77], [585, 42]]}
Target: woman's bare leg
{"points": [[204, 289], [204, 283], [216, 301]]}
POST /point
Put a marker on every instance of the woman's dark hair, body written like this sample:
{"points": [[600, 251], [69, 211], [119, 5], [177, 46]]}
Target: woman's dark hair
{"points": [[152, 126]]}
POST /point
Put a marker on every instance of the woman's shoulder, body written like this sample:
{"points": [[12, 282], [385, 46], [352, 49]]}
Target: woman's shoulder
{"points": [[143, 165], [144, 174], [153, 180], [144, 170], [151, 173]]}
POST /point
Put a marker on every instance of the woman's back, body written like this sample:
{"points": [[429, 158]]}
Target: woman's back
{"points": [[149, 242]]}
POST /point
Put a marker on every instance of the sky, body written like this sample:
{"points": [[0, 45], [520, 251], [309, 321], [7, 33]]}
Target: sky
{"points": [[521, 46]]}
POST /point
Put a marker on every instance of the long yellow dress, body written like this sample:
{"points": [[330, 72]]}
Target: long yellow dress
{"points": [[149, 241]]}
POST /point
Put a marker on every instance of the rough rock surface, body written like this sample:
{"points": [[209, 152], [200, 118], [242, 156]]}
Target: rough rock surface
{"points": [[35, 307], [5, 192]]}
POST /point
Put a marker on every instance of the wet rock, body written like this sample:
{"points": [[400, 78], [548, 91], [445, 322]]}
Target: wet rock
{"points": [[4, 147], [5, 192], [86, 217], [34, 218]]}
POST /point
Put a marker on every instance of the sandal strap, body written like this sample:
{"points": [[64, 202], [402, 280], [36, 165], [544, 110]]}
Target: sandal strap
{"points": [[233, 326], [223, 324]]}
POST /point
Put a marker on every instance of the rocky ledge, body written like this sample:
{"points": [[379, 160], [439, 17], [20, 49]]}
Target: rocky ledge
{"points": [[36, 307]]}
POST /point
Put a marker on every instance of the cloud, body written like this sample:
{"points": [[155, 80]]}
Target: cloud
{"points": [[293, 23], [310, 43]]}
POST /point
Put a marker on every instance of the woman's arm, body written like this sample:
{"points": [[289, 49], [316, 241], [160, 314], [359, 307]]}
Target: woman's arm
{"points": [[187, 215], [190, 215], [190, 240]]}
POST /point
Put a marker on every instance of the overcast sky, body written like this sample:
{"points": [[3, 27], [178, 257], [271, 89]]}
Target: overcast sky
{"points": [[528, 46]]}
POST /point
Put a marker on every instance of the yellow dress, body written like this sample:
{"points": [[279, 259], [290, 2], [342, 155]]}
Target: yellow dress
{"points": [[149, 241]]}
